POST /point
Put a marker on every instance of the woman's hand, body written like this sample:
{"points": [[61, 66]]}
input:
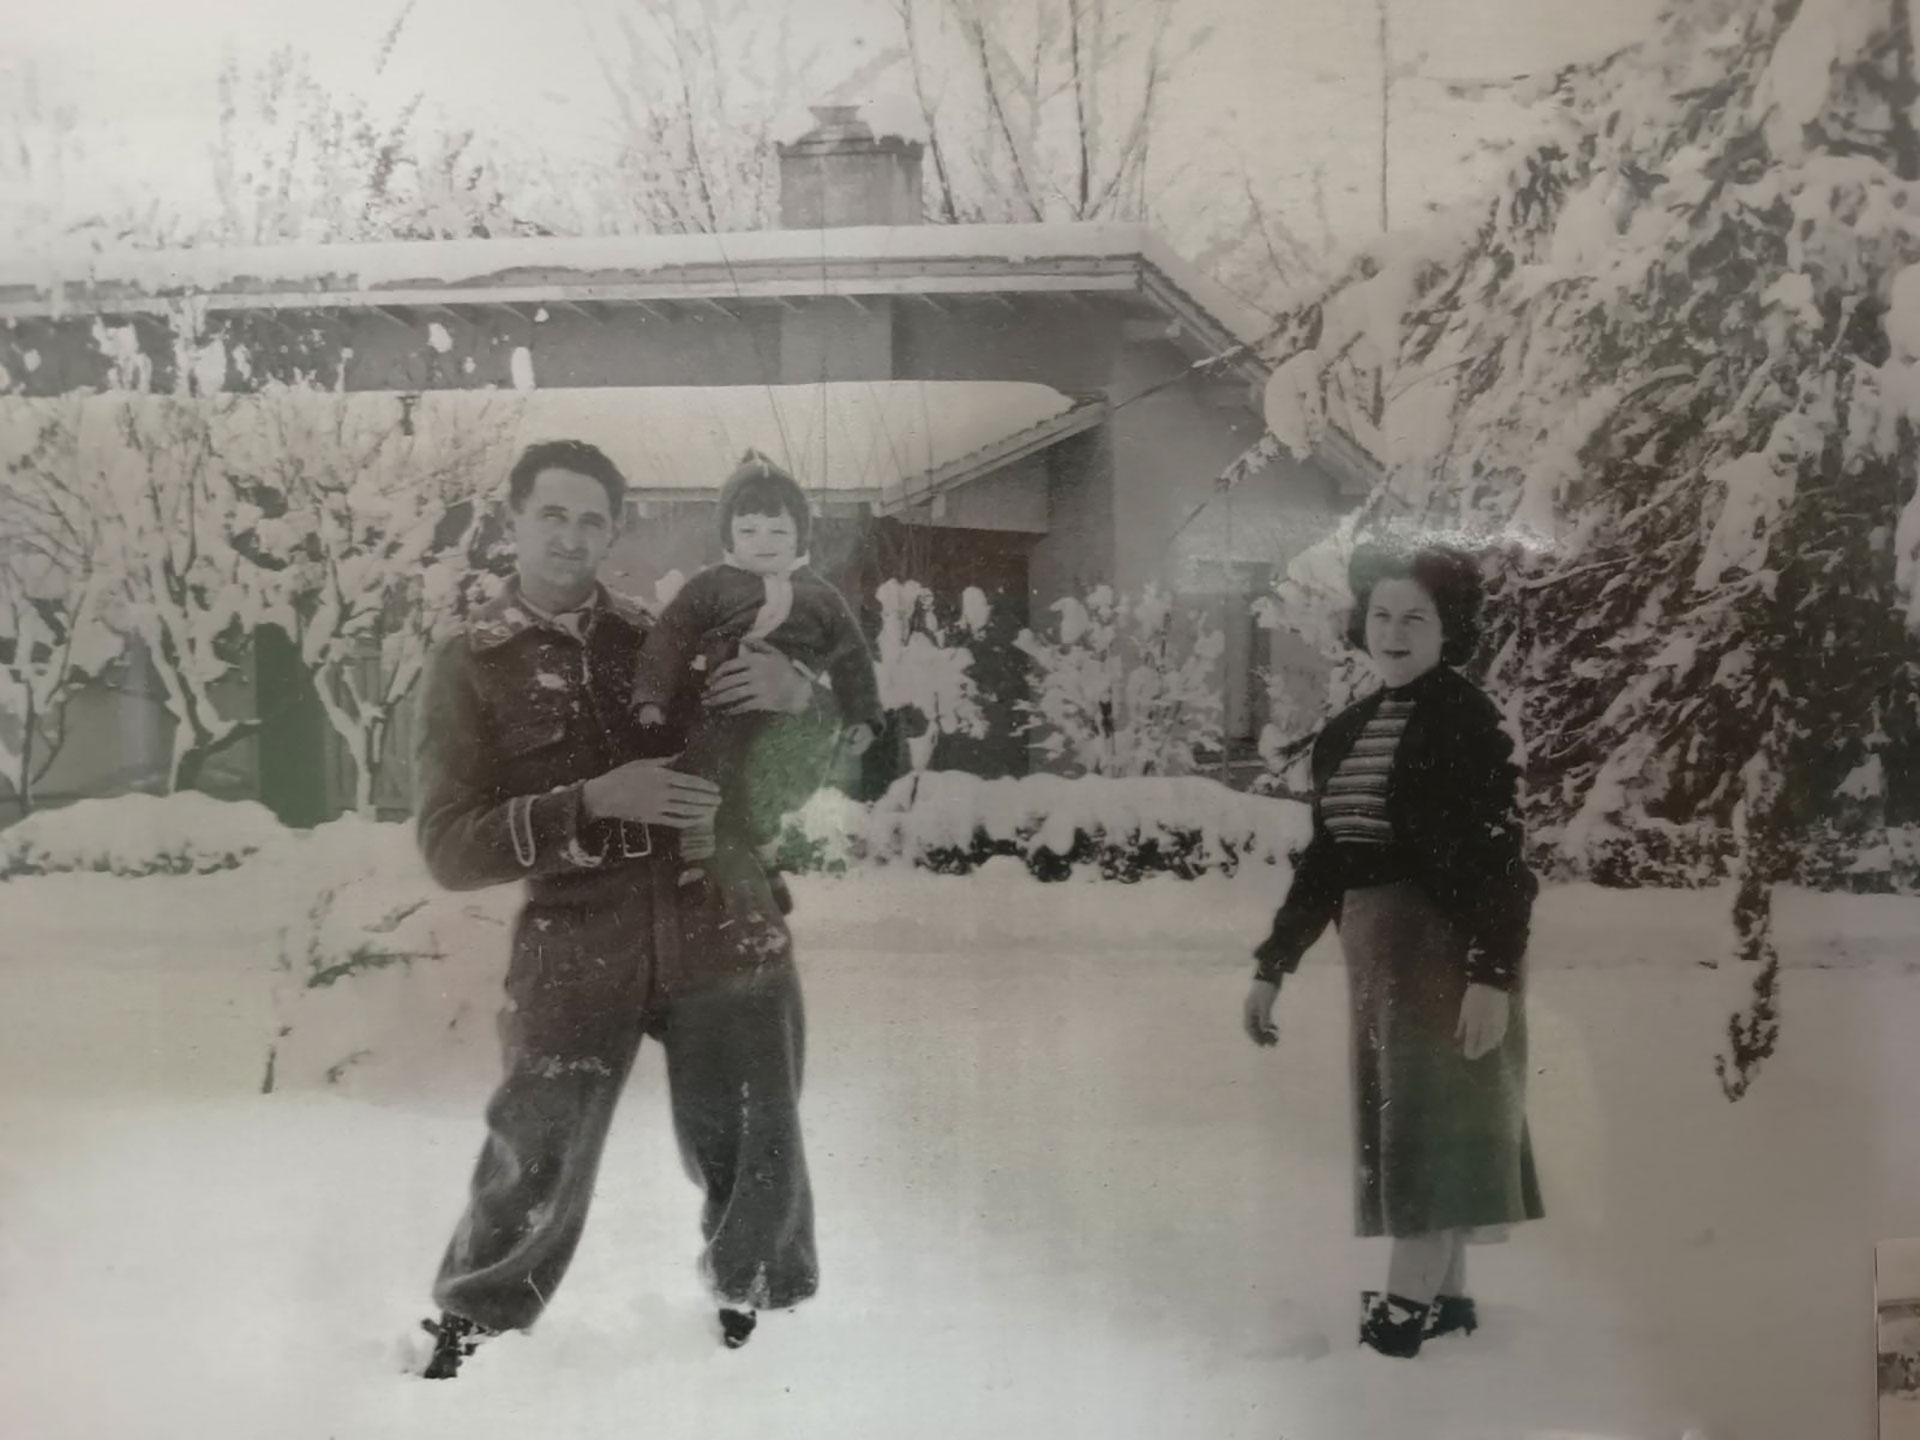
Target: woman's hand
{"points": [[758, 678], [648, 793], [1257, 1013], [1483, 1020]]}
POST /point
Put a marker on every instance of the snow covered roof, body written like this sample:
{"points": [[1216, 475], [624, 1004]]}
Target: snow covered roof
{"points": [[882, 443], [889, 444], [763, 264]]}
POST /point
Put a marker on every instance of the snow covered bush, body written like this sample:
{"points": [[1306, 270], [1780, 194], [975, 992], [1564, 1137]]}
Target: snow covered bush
{"points": [[1666, 377], [922, 662], [1124, 828], [1121, 688], [184, 834]]}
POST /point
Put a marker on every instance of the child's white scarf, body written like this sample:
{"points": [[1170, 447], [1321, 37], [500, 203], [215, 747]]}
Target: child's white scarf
{"points": [[778, 604]]}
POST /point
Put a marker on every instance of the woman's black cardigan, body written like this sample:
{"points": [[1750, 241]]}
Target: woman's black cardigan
{"points": [[1453, 802]]}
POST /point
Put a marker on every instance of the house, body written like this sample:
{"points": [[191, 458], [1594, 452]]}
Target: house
{"points": [[1028, 408]]}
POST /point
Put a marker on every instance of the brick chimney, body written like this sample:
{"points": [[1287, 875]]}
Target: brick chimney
{"points": [[838, 173]]}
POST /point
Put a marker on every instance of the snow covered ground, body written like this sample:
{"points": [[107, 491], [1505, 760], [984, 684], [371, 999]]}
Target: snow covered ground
{"points": [[1059, 1194]]}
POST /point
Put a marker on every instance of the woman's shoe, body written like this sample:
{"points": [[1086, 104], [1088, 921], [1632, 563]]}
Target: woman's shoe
{"points": [[1451, 1313], [1392, 1325]]}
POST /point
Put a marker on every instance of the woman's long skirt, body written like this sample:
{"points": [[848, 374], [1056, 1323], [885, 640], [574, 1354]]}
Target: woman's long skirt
{"points": [[1441, 1140]]}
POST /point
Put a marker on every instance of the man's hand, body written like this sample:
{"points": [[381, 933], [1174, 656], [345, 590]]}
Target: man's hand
{"points": [[859, 740], [758, 678], [1483, 1020], [1256, 1013], [647, 792]]}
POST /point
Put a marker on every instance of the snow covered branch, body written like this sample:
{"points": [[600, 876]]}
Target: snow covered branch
{"points": [[356, 513], [52, 637]]}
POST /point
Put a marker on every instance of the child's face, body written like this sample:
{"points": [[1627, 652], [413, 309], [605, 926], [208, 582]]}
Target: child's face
{"points": [[764, 543]]}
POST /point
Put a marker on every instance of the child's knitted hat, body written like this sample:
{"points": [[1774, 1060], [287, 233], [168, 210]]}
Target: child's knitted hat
{"points": [[760, 487]]}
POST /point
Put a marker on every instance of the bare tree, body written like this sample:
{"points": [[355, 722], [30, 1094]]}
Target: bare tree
{"points": [[1040, 111], [294, 160], [701, 88], [42, 156]]}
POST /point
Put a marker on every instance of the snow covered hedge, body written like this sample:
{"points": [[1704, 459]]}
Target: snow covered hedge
{"points": [[183, 834], [387, 984], [952, 823]]}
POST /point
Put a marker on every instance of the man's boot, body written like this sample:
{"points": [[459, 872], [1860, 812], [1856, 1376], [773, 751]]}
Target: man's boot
{"points": [[736, 1327], [454, 1338]]}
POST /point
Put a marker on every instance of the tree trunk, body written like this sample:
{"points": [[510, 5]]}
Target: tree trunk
{"points": [[184, 773], [1754, 1032], [190, 758], [368, 745], [1906, 93], [23, 784]]}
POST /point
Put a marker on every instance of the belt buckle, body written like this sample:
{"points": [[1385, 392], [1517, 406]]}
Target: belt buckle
{"points": [[626, 841]]}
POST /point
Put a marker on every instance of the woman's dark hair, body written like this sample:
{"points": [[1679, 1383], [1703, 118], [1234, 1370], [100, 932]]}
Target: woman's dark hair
{"points": [[574, 455], [1450, 576], [760, 487]]}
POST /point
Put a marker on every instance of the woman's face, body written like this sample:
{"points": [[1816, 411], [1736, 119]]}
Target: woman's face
{"points": [[1403, 631]]}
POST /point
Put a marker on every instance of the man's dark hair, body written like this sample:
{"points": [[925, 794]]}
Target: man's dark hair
{"points": [[574, 455], [1450, 577], [760, 487]]}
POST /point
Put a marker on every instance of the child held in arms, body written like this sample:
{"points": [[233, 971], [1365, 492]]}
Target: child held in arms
{"points": [[763, 592]]}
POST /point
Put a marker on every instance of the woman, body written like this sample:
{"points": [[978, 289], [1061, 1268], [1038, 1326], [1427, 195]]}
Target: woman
{"points": [[1416, 854]]}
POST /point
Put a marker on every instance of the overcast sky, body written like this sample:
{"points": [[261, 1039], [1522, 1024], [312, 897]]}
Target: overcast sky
{"points": [[1284, 78]]}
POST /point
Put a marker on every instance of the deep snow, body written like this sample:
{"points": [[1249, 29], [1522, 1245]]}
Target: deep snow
{"points": [[1059, 1194]]}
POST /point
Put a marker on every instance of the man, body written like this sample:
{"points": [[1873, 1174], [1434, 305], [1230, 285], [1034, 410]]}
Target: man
{"points": [[531, 772]]}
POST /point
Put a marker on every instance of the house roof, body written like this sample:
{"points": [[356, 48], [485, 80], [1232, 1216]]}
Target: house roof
{"points": [[889, 444], [928, 260], [886, 443]]}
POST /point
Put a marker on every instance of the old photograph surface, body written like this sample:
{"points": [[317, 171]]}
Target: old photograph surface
{"points": [[944, 717]]}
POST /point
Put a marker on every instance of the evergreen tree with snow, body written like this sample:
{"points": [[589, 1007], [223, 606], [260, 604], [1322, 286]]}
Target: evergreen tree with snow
{"points": [[1667, 378]]}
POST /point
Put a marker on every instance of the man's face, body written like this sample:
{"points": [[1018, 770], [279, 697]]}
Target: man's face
{"points": [[561, 533], [765, 544]]}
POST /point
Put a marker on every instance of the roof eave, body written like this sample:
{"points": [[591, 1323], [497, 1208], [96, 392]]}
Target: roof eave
{"points": [[967, 468]]}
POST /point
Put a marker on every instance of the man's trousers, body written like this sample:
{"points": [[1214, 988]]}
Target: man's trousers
{"points": [[573, 1022]]}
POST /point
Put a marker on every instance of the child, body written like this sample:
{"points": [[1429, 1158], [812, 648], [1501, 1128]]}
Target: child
{"points": [[765, 765]]}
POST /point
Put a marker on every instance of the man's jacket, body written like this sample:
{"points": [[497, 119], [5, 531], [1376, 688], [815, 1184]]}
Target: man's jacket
{"points": [[519, 714]]}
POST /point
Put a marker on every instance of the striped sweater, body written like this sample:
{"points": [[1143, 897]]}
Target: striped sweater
{"points": [[1353, 805]]}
